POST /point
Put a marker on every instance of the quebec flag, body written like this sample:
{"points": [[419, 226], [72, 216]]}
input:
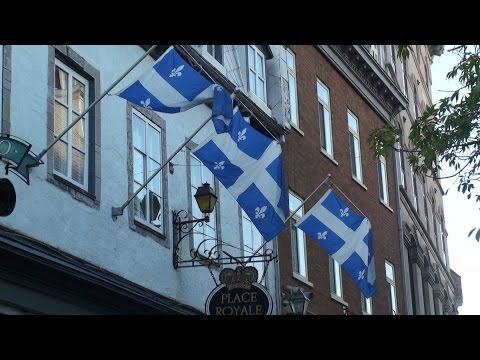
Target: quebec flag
{"points": [[170, 86], [249, 165], [346, 236]]}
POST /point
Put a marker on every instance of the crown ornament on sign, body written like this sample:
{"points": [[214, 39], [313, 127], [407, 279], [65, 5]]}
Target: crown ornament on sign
{"points": [[240, 278]]}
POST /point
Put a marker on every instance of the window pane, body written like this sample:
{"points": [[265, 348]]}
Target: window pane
{"points": [[196, 173], [247, 236], [60, 157], [294, 203], [210, 49], [352, 123], [60, 119], [251, 58], [301, 253], [78, 96], [252, 81], [138, 133], [140, 202], [353, 157], [219, 53], [393, 299], [290, 60], [338, 279], [292, 87], [153, 137], [61, 85], [78, 134], [389, 271], [358, 160], [261, 89], [155, 184], [138, 167], [78, 166], [322, 93], [155, 204], [259, 66], [328, 132]]}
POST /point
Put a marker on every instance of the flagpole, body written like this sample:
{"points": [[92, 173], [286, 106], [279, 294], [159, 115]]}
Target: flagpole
{"points": [[294, 212], [117, 211], [43, 152]]}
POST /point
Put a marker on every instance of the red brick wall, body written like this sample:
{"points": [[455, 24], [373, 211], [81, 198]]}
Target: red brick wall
{"points": [[306, 166]]}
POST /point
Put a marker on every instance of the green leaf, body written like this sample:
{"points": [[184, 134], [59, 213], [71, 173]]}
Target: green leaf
{"points": [[471, 232], [477, 235]]}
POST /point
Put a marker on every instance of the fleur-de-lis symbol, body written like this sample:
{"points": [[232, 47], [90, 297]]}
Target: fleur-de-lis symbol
{"points": [[241, 135], [177, 71], [322, 235], [260, 212], [146, 103], [344, 212], [219, 165], [219, 88], [361, 274]]}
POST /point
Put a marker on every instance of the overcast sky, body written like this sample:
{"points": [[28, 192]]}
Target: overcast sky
{"points": [[461, 215]]}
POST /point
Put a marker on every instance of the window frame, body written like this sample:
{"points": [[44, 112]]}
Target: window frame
{"points": [[376, 52], [143, 222], [254, 70], [405, 77], [355, 135], [367, 305], [246, 221], [393, 58], [294, 234], [383, 180], [322, 105], [393, 301], [336, 284], [71, 116], [213, 54], [414, 188], [292, 72]]}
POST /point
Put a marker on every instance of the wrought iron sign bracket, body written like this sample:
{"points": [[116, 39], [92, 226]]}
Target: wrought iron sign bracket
{"points": [[211, 257]]}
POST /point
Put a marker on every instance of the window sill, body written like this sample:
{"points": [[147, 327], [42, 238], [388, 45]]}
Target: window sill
{"points": [[73, 186], [293, 126], [338, 299], [359, 183], [148, 227], [329, 157], [386, 205], [302, 278]]}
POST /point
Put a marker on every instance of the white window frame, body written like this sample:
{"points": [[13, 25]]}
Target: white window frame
{"points": [[367, 305], [336, 285], [252, 68], [325, 120], [383, 180], [292, 89], [355, 147], [414, 189], [147, 173], [299, 249], [67, 138], [249, 247], [393, 290], [199, 235], [213, 53]]}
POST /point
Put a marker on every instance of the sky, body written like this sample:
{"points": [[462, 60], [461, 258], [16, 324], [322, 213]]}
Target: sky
{"points": [[461, 214]]}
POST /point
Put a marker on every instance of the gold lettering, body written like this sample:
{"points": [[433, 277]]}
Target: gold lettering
{"points": [[258, 309]]}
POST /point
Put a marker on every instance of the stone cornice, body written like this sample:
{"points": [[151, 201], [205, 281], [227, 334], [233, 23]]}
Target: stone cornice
{"points": [[369, 79]]}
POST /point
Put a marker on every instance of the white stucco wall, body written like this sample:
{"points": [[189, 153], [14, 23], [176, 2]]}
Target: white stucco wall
{"points": [[51, 215]]}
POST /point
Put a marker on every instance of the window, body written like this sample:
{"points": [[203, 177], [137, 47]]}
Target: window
{"points": [[426, 72], [390, 272], [70, 155], [414, 188], [323, 96], [356, 157], [207, 234], [435, 225], [256, 73], [147, 158], [382, 179], [401, 160], [216, 51], [292, 87], [424, 195], [252, 240], [299, 248], [405, 77], [393, 58], [415, 102], [367, 307], [444, 243], [335, 278], [376, 52]]}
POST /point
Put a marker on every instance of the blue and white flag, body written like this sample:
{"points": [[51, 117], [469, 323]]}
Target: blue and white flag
{"points": [[346, 236], [249, 165], [170, 86]]}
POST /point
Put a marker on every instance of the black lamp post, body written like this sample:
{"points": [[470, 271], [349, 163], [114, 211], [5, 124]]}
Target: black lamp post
{"points": [[296, 303], [206, 200]]}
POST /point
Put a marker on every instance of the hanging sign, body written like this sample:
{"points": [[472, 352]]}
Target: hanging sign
{"points": [[239, 294], [16, 153]]}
